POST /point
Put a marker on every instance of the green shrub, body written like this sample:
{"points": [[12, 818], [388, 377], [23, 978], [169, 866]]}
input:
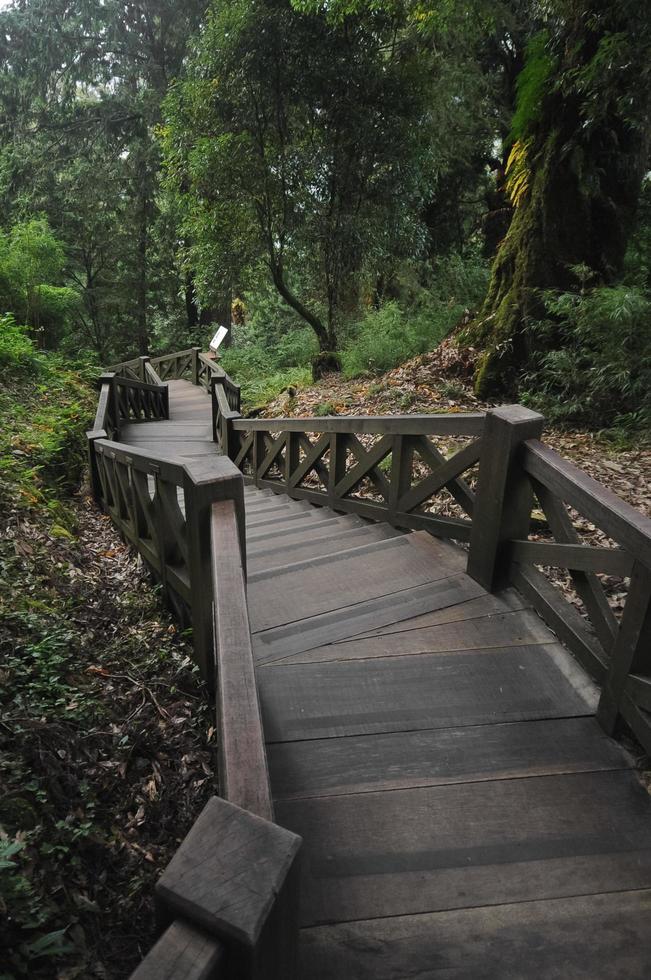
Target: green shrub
{"points": [[45, 407], [17, 353], [596, 370], [389, 336]]}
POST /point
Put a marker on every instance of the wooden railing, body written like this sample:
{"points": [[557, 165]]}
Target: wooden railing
{"points": [[227, 903], [519, 473], [383, 468], [391, 469]]}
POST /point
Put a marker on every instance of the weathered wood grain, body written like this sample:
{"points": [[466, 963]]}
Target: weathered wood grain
{"points": [[317, 546], [600, 937], [469, 423], [244, 778], [486, 604], [226, 874], [503, 630], [471, 844], [370, 763], [304, 634], [332, 582], [393, 694], [184, 953]]}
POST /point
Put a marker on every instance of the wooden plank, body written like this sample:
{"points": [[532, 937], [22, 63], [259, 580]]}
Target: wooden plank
{"points": [[579, 557], [444, 424], [184, 953], [341, 624], [510, 629], [323, 544], [471, 844], [332, 582], [324, 563], [601, 937], [488, 604], [394, 694], [370, 763], [627, 526]]}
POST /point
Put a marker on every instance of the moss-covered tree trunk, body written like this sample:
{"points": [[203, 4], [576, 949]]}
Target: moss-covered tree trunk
{"points": [[580, 150]]}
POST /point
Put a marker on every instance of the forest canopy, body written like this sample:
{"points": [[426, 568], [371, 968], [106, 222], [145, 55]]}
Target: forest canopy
{"points": [[342, 184]]}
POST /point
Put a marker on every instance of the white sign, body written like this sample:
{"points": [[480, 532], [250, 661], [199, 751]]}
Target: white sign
{"points": [[218, 338]]}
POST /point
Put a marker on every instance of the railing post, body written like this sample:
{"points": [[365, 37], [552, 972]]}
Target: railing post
{"points": [[235, 876], [100, 430], [202, 485], [195, 365], [142, 370], [504, 495], [631, 652]]}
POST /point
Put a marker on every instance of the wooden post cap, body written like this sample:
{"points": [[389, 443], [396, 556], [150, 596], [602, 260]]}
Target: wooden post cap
{"points": [[228, 871]]}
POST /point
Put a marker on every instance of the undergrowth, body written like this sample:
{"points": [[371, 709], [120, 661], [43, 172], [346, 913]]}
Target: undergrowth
{"points": [[104, 762]]}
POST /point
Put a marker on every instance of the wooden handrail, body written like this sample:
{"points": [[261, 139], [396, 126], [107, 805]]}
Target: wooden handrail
{"points": [[458, 424], [604, 508], [152, 374], [244, 774]]}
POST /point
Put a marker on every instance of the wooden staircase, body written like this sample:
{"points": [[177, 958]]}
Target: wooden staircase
{"points": [[431, 742]]}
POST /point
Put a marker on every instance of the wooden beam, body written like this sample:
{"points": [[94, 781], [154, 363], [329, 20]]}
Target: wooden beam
{"points": [[627, 526], [468, 424], [504, 496], [609, 561], [632, 649], [243, 771]]}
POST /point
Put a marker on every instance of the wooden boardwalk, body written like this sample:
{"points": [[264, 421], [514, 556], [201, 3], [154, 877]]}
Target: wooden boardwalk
{"points": [[463, 815]]}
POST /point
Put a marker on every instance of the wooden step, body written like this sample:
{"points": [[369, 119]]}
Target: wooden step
{"points": [[275, 541], [521, 626], [277, 512], [433, 757], [447, 847], [321, 585], [317, 545], [411, 693], [343, 623], [288, 522], [590, 937]]}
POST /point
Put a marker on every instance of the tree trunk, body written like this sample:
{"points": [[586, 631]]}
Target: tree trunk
{"points": [[325, 337], [574, 184], [141, 255]]}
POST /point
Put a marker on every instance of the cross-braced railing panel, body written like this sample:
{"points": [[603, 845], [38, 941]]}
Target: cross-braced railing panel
{"points": [[595, 574], [143, 502], [139, 401], [175, 366], [392, 476], [520, 477]]}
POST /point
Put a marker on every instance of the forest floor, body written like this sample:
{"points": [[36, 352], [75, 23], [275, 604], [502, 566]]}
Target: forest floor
{"points": [[106, 738], [105, 748], [440, 381]]}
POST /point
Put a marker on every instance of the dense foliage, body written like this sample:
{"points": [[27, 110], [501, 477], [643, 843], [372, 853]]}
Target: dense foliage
{"points": [[165, 168]]}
